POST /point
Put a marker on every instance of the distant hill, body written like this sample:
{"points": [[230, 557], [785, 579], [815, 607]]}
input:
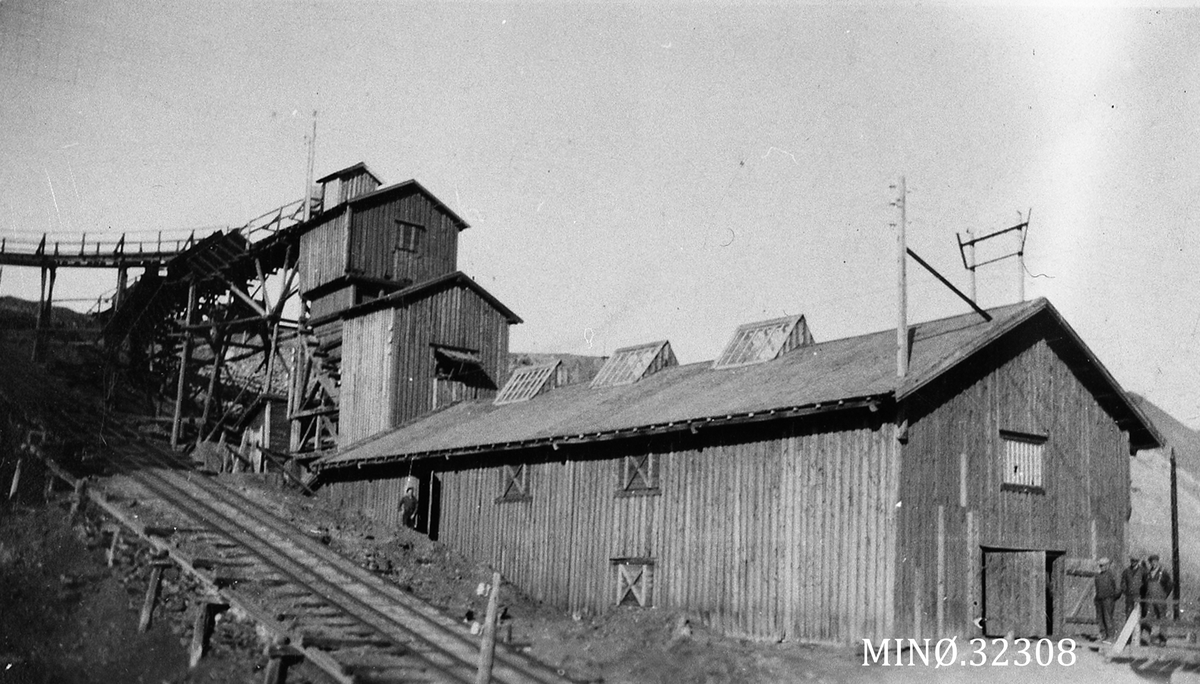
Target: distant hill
{"points": [[578, 368], [1149, 526], [19, 314]]}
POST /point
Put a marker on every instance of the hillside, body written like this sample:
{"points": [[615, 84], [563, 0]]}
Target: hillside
{"points": [[19, 314], [1149, 529]]}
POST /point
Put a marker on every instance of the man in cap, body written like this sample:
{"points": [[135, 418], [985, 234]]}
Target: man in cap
{"points": [[1107, 592], [1158, 588], [1133, 583]]}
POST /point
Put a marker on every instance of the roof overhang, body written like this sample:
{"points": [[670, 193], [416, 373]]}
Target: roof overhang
{"points": [[420, 291], [693, 425], [1142, 433]]}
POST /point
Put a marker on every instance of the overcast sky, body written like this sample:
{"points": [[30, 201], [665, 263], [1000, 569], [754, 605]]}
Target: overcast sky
{"points": [[640, 172]]}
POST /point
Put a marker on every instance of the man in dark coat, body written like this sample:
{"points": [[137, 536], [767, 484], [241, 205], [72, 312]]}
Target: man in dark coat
{"points": [[1107, 592], [1133, 583], [408, 509], [1158, 589]]}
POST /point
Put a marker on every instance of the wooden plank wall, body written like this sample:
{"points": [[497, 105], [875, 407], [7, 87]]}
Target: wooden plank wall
{"points": [[388, 368], [784, 532], [323, 252], [375, 235], [1024, 386], [455, 317], [367, 376]]}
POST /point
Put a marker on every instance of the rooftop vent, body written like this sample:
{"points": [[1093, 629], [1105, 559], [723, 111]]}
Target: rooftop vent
{"points": [[630, 364], [526, 383], [763, 341]]}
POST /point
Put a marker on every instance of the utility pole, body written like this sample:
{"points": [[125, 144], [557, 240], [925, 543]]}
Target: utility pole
{"points": [[1175, 592], [971, 259], [901, 285]]}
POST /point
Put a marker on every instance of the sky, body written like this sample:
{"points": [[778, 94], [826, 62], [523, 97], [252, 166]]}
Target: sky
{"points": [[637, 172]]}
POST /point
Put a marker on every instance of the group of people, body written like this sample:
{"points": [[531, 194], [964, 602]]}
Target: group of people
{"points": [[1146, 582]]}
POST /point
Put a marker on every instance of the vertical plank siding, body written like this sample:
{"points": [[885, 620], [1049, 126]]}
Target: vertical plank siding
{"points": [[1023, 386], [367, 373], [388, 364], [375, 236], [734, 531], [323, 251]]}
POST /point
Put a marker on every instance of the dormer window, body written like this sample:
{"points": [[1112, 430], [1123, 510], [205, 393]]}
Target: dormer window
{"points": [[763, 341], [630, 364]]}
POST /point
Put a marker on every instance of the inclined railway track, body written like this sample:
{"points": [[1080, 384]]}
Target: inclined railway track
{"points": [[349, 622]]}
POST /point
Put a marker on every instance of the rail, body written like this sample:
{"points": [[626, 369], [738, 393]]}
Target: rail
{"points": [[341, 618]]}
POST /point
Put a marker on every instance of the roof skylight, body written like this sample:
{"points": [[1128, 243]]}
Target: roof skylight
{"points": [[526, 383], [630, 364], [763, 341]]}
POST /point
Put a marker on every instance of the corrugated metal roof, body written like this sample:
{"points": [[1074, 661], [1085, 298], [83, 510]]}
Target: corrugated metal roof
{"points": [[849, 369]]}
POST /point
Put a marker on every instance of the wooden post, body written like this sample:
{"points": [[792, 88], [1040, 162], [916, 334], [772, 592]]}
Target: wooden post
{"points": [[122, 283], [902, 287], [80, 498], [48, 490], [184, 356], [213, 383], [971, 260], [941, 572], [41, 313], [202, 629], [279, 652], [111, 556], [487, 649], [151, 596], [1175, 539], [16, 481]]}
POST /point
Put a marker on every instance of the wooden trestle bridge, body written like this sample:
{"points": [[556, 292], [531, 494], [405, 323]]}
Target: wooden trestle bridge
{"points": [[200, 317], [321, 611]]}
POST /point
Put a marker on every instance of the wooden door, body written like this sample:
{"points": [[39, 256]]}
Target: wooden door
{"points": [[1015, 593]]}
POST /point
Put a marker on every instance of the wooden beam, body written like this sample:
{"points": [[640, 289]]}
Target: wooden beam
{"points": [[185, 355], [202, 629], [151, 597], [16, 480], [487, 649]]}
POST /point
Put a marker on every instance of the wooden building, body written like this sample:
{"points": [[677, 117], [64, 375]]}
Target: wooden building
{"points": [[791, 489], [397, 245]]}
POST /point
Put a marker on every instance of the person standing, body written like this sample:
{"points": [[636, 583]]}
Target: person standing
{"points": [[1158, 589], [408, 509], [1133, 583], [1107, 593]]}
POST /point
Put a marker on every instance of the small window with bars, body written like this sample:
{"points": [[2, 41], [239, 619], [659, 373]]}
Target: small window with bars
{"points": [[411, 236], [1024, 462], [514, 483], [638, 475], [635, 581]]}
